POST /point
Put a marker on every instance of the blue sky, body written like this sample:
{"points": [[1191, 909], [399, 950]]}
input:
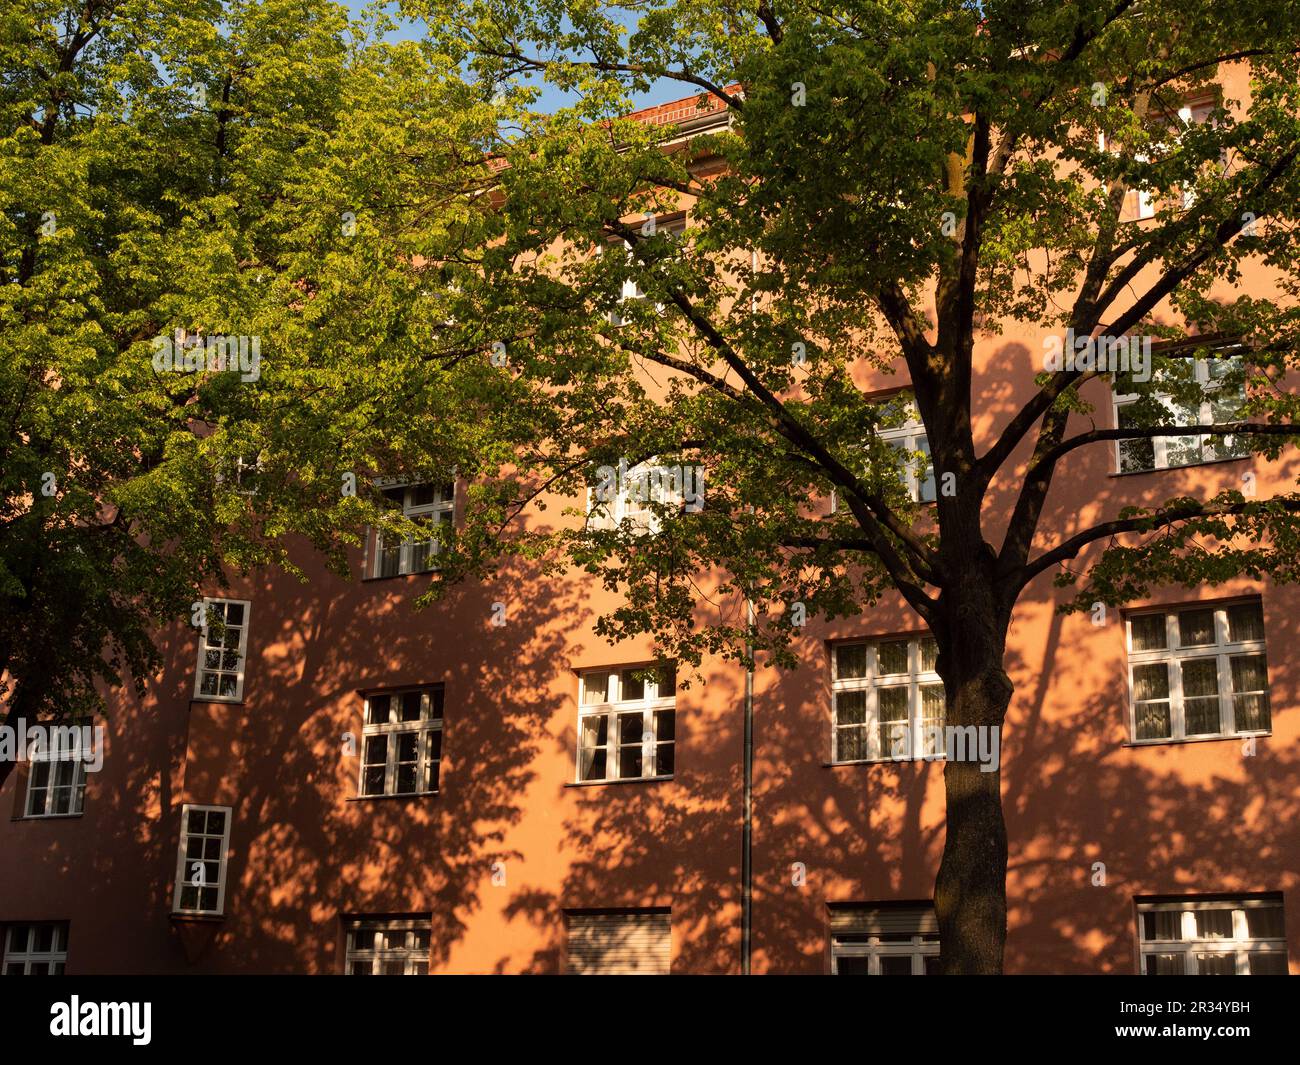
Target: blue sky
{"points": [[551, 98]]}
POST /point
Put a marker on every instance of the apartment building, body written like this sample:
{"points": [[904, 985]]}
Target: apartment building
{"points": [[323, 779]]}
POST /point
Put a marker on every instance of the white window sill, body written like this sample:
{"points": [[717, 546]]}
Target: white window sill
{"points": [[1179, 466], [231, 700], [48, 817], [886, 761], [398, 795], [620, 780], [1219, 737]]}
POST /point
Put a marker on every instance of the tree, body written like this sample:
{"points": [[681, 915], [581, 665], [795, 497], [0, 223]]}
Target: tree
{"points": [[899, 181], [144, 144]]}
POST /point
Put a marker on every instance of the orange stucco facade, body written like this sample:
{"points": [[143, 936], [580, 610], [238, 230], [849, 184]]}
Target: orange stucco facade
{"points": [[510, 843]]}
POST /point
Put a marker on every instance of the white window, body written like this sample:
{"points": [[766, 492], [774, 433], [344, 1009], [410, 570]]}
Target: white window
{"points": [[428, 504], [887, 701], [381, 947], [915, 467], [402, 742], [1198, 671], [911, 449], [223, 650], [1208, 937], [1147, 200], [56, 787], [1217, 403], [619, 943], [36, 948], [632, 494], [626, 724], [884, 940], [674, 228], [201, 860]]}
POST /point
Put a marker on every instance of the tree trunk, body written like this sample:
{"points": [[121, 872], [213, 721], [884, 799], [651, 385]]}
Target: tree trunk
{"points": [[970, 892]]}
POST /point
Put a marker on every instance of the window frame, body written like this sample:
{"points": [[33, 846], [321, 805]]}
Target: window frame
{"points": [[874, 946], [870, 683], [56, 956], [443, 512], [1241, 945], [201, 669], [183, 861], [388, 925], [909, 438], [1222, 650], [433, 701], [674, 226], [76, 790], [609, 515], [1210, 446], [649, 706]]}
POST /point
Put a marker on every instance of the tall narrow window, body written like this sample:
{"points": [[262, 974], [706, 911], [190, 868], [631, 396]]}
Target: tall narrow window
{"points": [[1213, 937], [888, 701], [884, 940], [673, 228], [909, 440], [383, 947], [223, 649], [36, 948], [402, 742], [1198, 671], [429, 505], [201, 860], [627, 724]]}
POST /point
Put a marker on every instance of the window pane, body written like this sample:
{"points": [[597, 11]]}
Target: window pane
{"points": [[1216, 964], [850, 661], [1149, 632], [1164, 965], [892, 704], [851, 744], [850, 708], [630, 727], [1250, 706], [411, 703], [597, 688], [1214, 924], [1264, 922], [629, 762], [1196, 628], [668, 682], [665, 724], [1245, 622], [1151, 701], [929, 654], [1162, 925], [1201, 696], [1267, 963], [1134, 454], [852, 966], [633, 686], [892, 658], [591, 764], [896, 965]]}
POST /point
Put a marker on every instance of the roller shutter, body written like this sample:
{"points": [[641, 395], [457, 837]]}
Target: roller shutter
{"points": [[636, 942]]}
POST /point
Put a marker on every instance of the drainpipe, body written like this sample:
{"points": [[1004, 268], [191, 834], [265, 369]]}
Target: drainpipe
{"points": [[747, 828]]}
